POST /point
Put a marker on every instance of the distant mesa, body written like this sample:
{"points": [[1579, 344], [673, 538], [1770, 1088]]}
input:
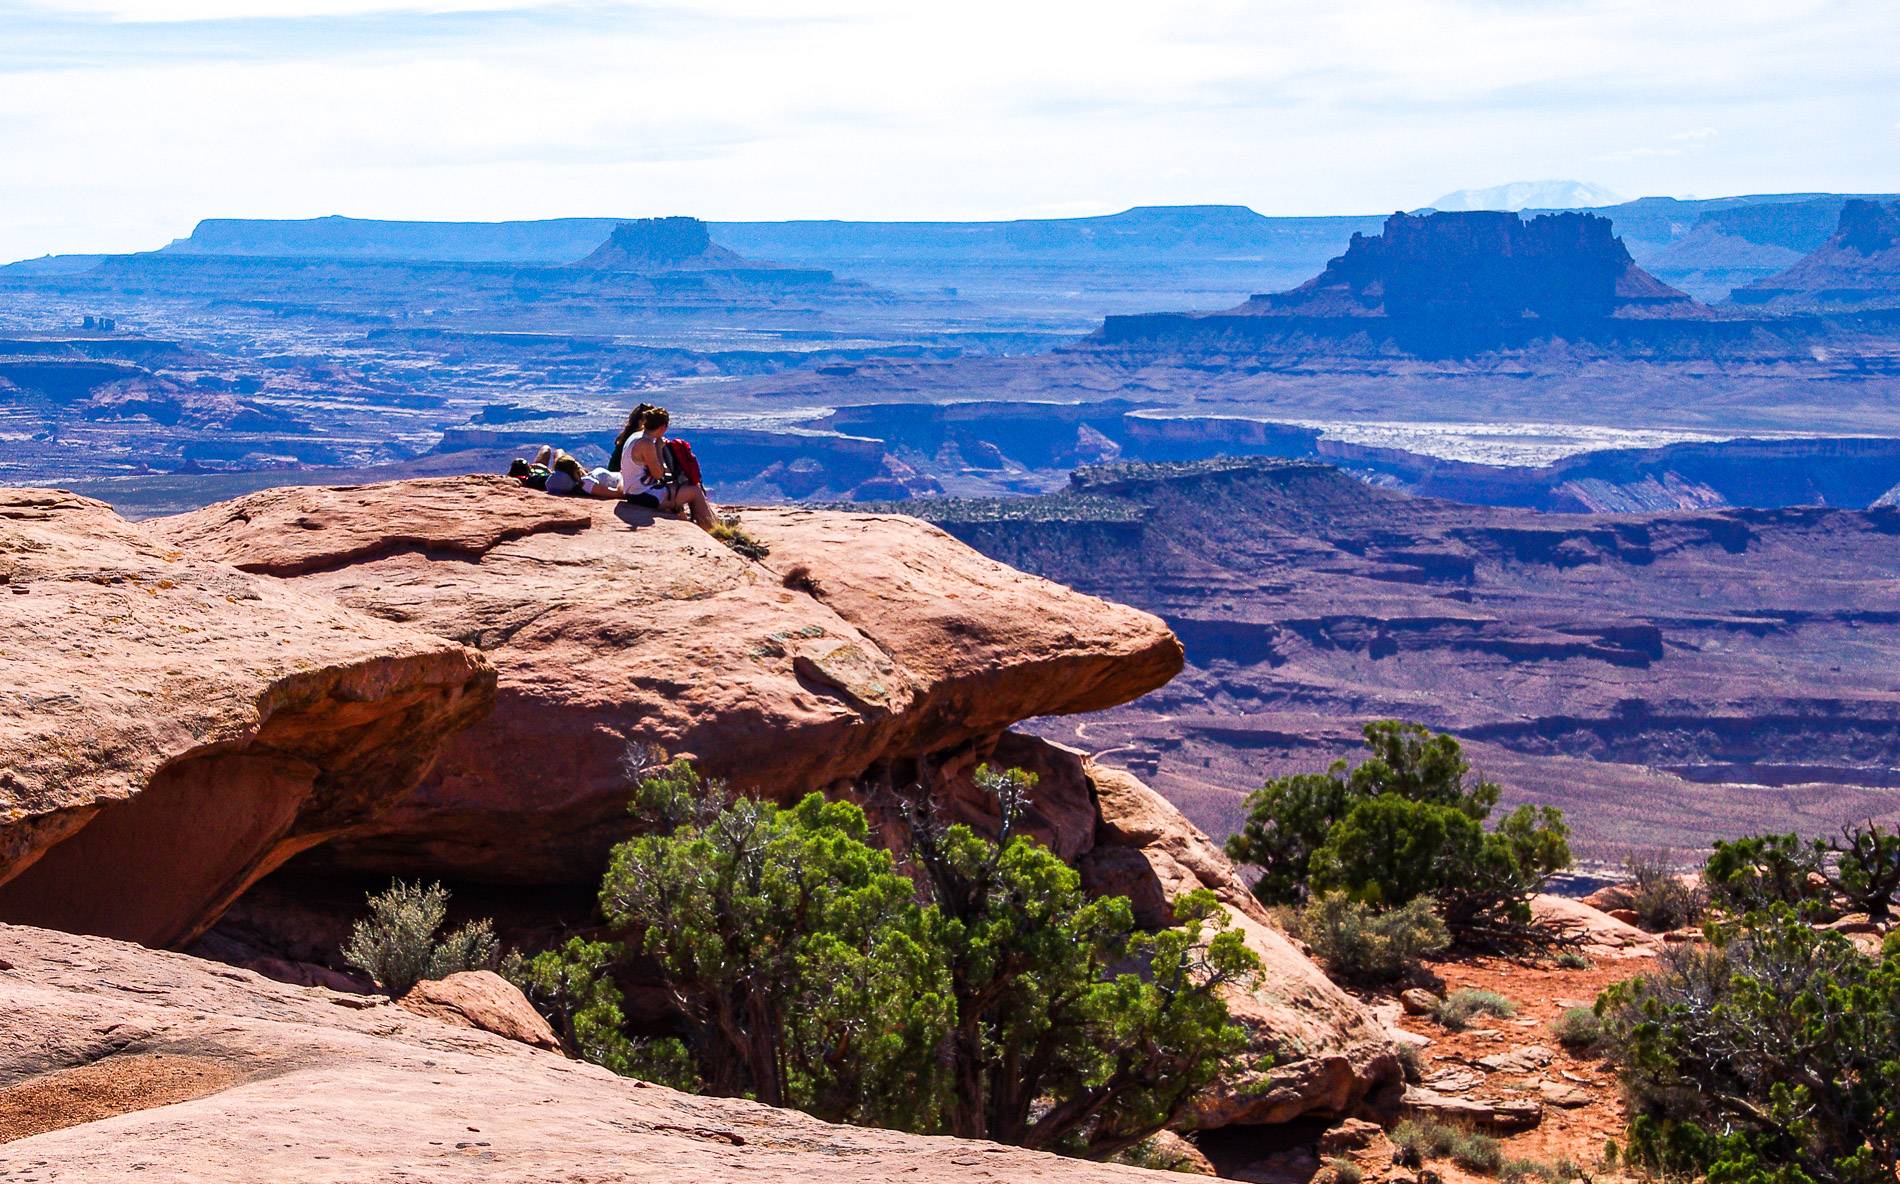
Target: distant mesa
{"points": [[1441, 285], [660, 244], [1858, 265], [1481, 267], [1529, 195]]}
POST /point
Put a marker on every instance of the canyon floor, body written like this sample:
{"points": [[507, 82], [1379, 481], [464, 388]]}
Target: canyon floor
{"points": [[1667, 679]]}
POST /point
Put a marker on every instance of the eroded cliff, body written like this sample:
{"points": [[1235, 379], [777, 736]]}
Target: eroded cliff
{"points": [[174, 729]]}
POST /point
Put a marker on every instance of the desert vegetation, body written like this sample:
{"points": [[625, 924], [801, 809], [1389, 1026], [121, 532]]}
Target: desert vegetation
{"points": [[1359, 945], [397, 944], [1770, 1055], [973, 989], [1404, 824], [1855, 871]]}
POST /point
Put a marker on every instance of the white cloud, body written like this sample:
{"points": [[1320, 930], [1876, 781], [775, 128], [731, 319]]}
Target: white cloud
{"points": [[856, 108], [166, 11]]}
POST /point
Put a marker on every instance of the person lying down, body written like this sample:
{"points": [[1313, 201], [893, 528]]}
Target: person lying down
{"points": [[558, 472]]}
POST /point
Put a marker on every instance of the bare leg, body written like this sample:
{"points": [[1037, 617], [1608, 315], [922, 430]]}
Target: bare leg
{"points": [[692, 499]]}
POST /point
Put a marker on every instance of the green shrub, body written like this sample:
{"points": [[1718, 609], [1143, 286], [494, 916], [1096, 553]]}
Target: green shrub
{"points": [[396, 944], [1521, 1171], [1358, 945], [1574, 960], [1477, 1153], [1661, 899], [1289, 818], [730, 531], [1772, 1056], [1006, 1004], [1341, 1170], [1760, 871], [1577, 1029], [1159, 1153], [1424, 1138], [1407, 822], [1456, 1010]]}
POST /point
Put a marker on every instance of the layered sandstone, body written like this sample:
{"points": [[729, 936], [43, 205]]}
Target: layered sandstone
{"points": [[865, 646], [867, 654], [126, 1063], [172, 729]]}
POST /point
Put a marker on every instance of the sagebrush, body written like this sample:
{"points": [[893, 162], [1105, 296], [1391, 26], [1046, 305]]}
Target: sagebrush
{"points": [[396, 945], [1456, 1010], [1358, 945]]}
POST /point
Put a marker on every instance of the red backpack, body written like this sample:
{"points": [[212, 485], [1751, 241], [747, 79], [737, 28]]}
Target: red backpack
{"points": [[682, 466]]}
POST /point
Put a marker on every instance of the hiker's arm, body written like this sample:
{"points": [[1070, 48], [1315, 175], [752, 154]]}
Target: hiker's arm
{"points": [[649, 458]]}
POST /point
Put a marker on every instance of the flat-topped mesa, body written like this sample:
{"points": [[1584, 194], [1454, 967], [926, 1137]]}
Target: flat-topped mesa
{"points": [[864, 645], [1481, 266], [660, 244], [1857, 267], [172, 730], [1447, 285]]}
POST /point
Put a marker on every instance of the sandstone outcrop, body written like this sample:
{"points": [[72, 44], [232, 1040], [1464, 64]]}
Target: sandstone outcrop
{"points": [[866, 645], [1596, 933], [866, 653], [485, 1001], [1481, 267], [172, 729], [659, 244], [262, 1081]]}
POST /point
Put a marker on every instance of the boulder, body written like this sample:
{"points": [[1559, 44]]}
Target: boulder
{"points": [[172, 729], [1169, 1152], [1610, 896], [1566, 1095], [483, 1000], [864, 652], [1331, 1054], [1525, 1058], [1497, 1115], [1419, 1001], [1353, 1134], [1596, 933], [866, 646], [127, 1063]]}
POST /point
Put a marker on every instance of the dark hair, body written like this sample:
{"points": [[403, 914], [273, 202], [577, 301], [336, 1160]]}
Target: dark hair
{"points": [[519, 468], [636, 423], [657, 418]]}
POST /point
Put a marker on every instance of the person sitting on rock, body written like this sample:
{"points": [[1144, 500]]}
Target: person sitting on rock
{"points": [[657, 466], [636, 423]]}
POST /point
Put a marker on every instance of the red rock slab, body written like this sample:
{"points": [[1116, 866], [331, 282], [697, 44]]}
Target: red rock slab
{"points": [[172, 729], [863, 641], [328, 1087]]}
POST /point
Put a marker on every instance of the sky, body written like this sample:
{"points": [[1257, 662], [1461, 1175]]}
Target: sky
{"points": [[124, 122]]}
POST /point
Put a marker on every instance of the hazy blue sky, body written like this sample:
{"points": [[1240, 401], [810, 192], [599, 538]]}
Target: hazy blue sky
{"points": [[122, 122]]}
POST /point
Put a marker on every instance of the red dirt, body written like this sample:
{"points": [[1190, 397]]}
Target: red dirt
{"points": [[105, 1089]]}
